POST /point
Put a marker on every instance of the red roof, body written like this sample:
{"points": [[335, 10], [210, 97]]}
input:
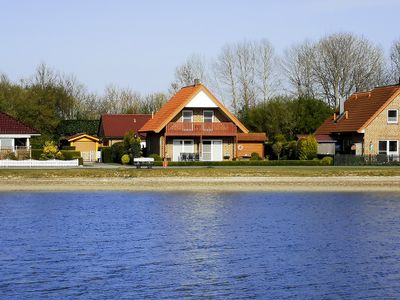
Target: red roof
{"points": [[115, 126], [252, 137], [10, 125], [361, 109], [178, 102]]}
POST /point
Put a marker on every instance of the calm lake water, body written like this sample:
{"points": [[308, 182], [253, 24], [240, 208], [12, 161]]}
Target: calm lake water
{"points": [[176, 245]]}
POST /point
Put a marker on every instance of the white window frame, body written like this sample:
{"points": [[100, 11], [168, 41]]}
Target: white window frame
{"points": [[388, 152], [397, 116], [212, 117], [187, 111]]}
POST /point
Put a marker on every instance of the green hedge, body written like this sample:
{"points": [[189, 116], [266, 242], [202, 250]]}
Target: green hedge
{"points": [[106, 155], [68, 154], [244, 163]]}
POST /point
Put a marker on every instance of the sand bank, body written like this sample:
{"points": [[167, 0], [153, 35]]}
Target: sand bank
{"points": [[206, 184]]}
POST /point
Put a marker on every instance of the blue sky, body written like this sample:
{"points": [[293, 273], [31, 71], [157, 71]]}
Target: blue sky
{"points": [[138, 44]]}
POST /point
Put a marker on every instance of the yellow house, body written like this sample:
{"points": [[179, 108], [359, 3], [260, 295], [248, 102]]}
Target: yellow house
{"points": [[87, 144]]}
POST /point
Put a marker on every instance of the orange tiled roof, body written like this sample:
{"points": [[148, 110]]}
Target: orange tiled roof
{"points": [[177, 103], [252, 137], [361, 108]]}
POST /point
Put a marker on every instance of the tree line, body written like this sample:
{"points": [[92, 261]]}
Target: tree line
{"points": [[279, 94]]}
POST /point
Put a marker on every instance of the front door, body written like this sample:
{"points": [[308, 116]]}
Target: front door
{"points": [[212, 150], [181, 147]]}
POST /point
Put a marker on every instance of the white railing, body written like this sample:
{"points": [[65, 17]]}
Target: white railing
{"points": [[39, 163]]}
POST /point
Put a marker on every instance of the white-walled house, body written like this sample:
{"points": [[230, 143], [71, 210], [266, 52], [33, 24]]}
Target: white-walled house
{"points": [[14, 135]]}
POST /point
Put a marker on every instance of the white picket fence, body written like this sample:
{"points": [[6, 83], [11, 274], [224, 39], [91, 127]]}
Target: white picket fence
{"points": [[39, 163]]}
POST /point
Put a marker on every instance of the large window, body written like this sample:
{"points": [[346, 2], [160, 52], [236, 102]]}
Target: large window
{"points": [[6, 144], [388, 147], [392, 116]]}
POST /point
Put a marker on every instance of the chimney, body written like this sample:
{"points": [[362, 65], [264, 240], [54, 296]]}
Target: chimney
{"points": [[334, 116], [346, 114], [196, 81], [152, 114]]}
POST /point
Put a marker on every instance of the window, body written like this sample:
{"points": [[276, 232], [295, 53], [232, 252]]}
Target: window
{"points": [[208, 116], [392, 116], [187, 116], [388, 147], [6, 144], [382, 147], [393, 146]]}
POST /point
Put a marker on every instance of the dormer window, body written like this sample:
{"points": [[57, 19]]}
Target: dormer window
{"points": [[392, 116]]}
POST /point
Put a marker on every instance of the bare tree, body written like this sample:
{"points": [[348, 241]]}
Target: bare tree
{"points": [[343, 64], [245, 72], [395, 62], [193, 68], [298, 67]]}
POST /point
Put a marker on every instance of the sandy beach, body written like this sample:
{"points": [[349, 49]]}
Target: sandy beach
{"points": [[206, 184]]}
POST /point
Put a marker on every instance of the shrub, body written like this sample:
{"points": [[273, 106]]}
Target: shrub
{"points": [[10, 155], [70, 154], [36, 153], [277, 148], [125, 159], [255, 156], [290, 150], [132, 144], [68, 148], [307, 148], [50, 150], [156, 157], [117, 150], [106, 155], [327, 161], [59, 155]]}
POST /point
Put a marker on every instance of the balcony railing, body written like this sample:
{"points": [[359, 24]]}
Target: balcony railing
{"points": [[199, 128]]}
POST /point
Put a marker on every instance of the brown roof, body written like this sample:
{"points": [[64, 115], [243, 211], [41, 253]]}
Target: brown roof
{"points": [[252, 137], [115, 126], [10, 125], [361, 109], [178, 102]]}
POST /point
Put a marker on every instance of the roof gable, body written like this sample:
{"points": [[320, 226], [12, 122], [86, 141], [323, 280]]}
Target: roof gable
{"points": [[10, 125], [361, 108], [79, 136], [201, 100], [180, 100], [116, 125]]}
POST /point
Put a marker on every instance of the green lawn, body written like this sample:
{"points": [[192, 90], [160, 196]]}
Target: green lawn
{"points": [[203, 172]]}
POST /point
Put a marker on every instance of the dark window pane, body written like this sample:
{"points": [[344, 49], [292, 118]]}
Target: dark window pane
{"points": [[382, 147], [393, 146]]}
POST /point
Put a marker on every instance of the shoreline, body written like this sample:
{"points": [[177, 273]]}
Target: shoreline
{"points": [[204, 184]]}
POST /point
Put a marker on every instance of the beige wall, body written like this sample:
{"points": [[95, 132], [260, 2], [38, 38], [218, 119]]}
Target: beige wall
{"points": [[379, 129], [245, 149]]}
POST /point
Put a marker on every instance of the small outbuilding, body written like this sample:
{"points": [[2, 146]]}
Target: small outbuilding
{"points": [[87, 144]]}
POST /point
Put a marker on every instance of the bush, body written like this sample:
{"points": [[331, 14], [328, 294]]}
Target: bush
{"points": [[70, 154], [117, 150], [125, 159], [255, 156], [106, 155], [50, 150], [156, 157], [36, 153], [10, 155], [327, 161], [307, 148], [68, 148]]}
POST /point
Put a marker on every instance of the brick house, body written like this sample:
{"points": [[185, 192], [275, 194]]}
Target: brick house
{"points": [[194, 125], [367, 124]]}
